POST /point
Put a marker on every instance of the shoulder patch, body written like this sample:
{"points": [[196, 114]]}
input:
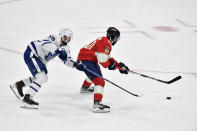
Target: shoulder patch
{"points": [[109, 41], [107, 49], [52, 37]]}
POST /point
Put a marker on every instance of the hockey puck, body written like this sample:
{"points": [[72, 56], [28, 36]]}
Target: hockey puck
{"points": [[168, 98]]}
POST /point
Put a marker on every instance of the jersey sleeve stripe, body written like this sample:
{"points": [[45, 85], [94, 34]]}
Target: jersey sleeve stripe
{"points": [[46, 43]]}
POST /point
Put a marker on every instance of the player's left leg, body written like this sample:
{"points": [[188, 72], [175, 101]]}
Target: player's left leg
{"points": [[86, 87], [39, 71], [18, 86]]}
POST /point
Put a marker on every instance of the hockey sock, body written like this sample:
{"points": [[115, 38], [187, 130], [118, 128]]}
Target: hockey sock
{"points": [[98, 88], [87, 82], [98, 93], [98, 97], [33, 88], [28, 81]]}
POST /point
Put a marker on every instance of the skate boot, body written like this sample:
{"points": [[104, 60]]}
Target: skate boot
{"points": [[29, 103], [100, 108], [17, 88], [85, 89]]}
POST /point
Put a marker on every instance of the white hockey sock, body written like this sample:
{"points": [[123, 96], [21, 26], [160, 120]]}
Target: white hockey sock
{"points": [[28, 81], [33, 88]]}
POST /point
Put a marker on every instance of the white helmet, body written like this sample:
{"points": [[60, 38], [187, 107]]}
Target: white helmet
{"points": [[66, 34]]}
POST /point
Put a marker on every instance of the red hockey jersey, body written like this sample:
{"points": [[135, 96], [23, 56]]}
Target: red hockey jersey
{"points": [[98, 52]]}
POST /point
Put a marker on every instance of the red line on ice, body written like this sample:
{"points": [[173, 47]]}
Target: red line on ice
{"points": [[5, 2], [142, 32], [194, 74], [185, 24], [129, 23], [146, 34], [11, 51], [189, 73]]}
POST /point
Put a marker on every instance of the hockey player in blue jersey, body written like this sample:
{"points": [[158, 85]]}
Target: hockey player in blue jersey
{"points": [[37, 54]]}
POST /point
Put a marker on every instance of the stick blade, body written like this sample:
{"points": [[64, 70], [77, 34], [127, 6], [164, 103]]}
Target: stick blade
{"points": [[175, 79]]}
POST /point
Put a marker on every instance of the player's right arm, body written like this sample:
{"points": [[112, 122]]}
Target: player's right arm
{"points": [[103, 54]]}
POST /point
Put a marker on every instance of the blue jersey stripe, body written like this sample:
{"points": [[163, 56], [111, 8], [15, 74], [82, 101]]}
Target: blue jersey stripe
{"points": [[45, 40], [45, 43]]}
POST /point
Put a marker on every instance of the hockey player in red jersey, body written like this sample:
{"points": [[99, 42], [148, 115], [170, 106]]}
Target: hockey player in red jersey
{"points": [[98, 52]]}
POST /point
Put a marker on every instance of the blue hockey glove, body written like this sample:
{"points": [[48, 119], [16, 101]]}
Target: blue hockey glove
{"points": [[124, 69], [80, 66], [62, 55], [112, 66]]}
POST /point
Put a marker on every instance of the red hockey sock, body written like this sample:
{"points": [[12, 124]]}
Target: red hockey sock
{"points": [[86, 84], [98, 97]]}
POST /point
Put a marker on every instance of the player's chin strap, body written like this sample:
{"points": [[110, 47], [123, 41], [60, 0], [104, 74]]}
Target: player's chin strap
{"points": [[166, 82]]}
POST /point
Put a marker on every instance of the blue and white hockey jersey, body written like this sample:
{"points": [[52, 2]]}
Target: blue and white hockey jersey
{"points": [[46, 49]]}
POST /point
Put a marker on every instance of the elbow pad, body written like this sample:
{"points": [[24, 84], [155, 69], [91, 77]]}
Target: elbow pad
{"points": [[103, 59]]}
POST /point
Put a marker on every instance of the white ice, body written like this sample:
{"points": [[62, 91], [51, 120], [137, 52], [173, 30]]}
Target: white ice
{"points": [[144, 49]]}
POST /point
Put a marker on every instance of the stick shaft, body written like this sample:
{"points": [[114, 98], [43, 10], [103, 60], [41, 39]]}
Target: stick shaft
{"points": [[150, 77], [112, 83]]}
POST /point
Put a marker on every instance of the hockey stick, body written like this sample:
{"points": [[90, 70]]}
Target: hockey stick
{"points": [[112, 83], [167, 82], [109, 81]]}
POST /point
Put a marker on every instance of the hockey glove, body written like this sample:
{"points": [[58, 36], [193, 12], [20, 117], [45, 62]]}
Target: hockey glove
{"points": [[124, 69], [63, 55], [80, 66], [112, 66]]}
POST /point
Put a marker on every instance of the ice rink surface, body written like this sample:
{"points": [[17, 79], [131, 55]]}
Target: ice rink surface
{"points": [[158, 38]]}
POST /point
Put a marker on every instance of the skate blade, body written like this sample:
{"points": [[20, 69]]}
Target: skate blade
{"points": [[27, 106], [101, 111], [15, 92], [86, 92], [83, 91]]}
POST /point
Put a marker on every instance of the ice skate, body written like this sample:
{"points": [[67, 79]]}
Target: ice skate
{"points": [[85, 89], [17, 89], [29, 103], [100, 108]]}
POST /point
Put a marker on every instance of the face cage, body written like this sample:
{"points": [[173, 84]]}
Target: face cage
{"points": [[115, 40], [66, 39]]}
